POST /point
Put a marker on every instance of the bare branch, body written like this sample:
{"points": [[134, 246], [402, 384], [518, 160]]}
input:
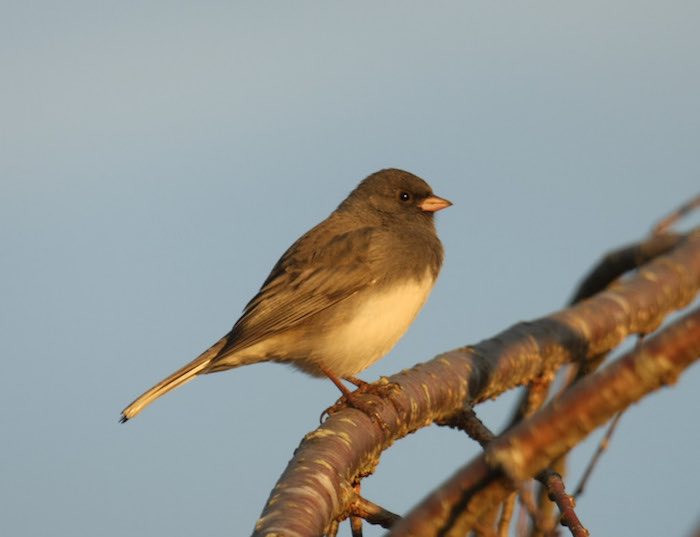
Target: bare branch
{"points": [[532, 398], [373, 513], [316, 487], [533, 444], [557, 493], [602, 446], [469, 422], [506, 515], [356, 526], [620, 261], [667, 222]]}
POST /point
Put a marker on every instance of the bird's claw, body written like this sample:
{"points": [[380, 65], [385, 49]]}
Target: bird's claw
{"points": [[382, 389]]}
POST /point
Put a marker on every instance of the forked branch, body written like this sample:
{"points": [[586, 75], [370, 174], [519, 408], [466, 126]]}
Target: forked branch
{"points": [[530, 446], [316, 488]]}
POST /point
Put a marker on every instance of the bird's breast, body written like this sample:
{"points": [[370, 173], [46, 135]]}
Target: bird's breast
{"points": [[372, 324]]}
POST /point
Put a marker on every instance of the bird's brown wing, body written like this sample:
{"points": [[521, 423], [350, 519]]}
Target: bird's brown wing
{"points": [[308, 279]]}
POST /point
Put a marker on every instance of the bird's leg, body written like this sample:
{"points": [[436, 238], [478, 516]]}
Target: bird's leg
{"points": [[335, 380], [346, 399]]}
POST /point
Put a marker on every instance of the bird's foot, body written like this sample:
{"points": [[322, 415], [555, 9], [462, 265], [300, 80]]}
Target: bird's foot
{"points": [[383, 388], [356, 399]]}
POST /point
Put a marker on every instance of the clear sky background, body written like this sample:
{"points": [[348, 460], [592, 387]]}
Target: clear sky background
{"points": [[157, 157]]}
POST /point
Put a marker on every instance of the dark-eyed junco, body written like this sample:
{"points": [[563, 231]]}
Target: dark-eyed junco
{"points": [[342, 295]]}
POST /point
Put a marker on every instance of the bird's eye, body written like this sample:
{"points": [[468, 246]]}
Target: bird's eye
{"points": [[404, 196]]}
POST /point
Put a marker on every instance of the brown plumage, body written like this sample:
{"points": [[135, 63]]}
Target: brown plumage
{"points": [[342, 295]]}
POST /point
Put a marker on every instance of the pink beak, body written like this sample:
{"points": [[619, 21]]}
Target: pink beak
{"points": [[433, 204]]}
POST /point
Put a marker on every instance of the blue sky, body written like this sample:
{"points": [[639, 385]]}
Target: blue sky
{"points": [[157, 158]]}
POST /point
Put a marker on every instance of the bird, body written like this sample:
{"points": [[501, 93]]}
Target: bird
{"points": [[342, 295]]}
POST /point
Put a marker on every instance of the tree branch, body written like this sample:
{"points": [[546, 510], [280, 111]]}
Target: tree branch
{"points": [[316, 488], [534, 443]]}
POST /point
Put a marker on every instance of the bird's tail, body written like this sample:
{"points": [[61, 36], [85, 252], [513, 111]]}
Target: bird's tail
{"points": [[180, 377]]}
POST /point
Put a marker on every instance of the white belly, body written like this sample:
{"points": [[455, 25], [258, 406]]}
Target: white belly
{"points": [[377, 324]]}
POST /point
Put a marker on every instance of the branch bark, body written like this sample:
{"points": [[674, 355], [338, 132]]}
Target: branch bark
{"points": [[316, 489], [530, 446]]}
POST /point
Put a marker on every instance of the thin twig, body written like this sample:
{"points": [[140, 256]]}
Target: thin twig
{"points": [[355, 519], [618, 262], [665, 223], [532, 398], [468, 421], [527, 501], [602, 446], [356, 526], [547, 507], [483, 530], [506, 515], [362, 508], [566, 503], [521, 526]]}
